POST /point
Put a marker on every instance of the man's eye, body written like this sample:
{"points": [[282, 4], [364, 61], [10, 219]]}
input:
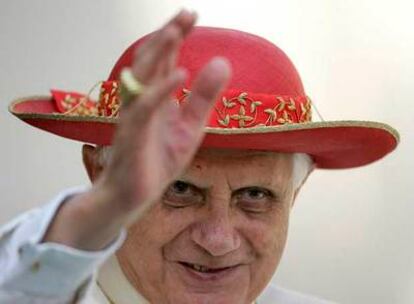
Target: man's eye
{"points": [[256, 194], [180, 187], [181, 194], [254, 199], [253, 193]]}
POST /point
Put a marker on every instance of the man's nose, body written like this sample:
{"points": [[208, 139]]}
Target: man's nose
{"points": [[215, 233]]}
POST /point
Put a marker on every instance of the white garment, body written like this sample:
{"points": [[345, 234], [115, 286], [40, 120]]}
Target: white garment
{"points": [[46, 273]]}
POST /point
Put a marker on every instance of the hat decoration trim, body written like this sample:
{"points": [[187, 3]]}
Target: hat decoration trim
{"points": [[235, 108], [264, 109]]}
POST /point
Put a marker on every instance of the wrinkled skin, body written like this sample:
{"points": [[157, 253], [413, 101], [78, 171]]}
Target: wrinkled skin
{"points": [[232, 211]]}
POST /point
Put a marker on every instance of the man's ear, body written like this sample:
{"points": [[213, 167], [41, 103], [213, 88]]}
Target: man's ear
{"points": [[297, 190], [90, 156]]}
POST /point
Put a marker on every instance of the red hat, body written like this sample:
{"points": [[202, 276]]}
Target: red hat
{"points": [[263, 108]]}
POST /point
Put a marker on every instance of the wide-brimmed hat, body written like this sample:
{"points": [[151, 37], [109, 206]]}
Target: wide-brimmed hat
{"points": [[263, 108]]}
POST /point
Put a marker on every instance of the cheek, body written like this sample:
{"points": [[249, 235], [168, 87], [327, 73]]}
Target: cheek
{"points": [[157, 228], [268, 235], [165, 223], [267, 238], [142, 257]]}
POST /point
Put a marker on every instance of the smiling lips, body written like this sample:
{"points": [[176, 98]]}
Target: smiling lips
{"points": [[204, 269]]}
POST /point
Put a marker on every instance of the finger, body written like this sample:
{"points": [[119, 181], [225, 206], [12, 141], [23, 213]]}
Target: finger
{"points": [[169, 61], [205, 90], [147, 62], [156, 56], [150, 100], [184, 20]]}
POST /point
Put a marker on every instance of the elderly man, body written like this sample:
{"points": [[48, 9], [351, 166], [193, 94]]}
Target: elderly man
{"points": [[194, 214]]}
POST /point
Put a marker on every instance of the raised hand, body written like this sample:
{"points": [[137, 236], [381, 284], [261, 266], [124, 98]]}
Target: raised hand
{"points": [[154, 142]]}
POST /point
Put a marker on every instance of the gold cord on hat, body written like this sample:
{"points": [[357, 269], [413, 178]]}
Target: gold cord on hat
{"points": [[84, 99], [316, 109]]}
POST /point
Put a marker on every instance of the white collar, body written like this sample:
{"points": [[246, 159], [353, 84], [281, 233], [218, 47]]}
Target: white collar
{"points": [[116, 286]]}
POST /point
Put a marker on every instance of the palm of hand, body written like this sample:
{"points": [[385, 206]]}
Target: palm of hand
{"points": [[156, 139]]}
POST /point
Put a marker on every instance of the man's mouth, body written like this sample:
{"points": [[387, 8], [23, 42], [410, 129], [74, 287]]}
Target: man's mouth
{"points": [[209, 276], [203, 269]]}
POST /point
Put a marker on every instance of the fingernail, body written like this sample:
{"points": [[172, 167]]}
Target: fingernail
{"points": [[183, 11], [191, 12], [186, 11], [221, 67], [194, 14], [181, 73], [220, 63]]}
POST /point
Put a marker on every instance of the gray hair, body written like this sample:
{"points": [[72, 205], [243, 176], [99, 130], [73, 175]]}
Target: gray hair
{"points": [[302, 164]]}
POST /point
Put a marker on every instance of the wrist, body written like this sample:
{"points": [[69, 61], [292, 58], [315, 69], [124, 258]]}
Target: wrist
{"points": [[82, 222]]}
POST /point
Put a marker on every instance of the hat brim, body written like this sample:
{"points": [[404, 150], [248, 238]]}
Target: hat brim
{"points": [[331, 144]]}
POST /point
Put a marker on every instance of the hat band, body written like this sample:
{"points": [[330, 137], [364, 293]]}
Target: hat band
{"points": [[234, 109], [240, 109]]}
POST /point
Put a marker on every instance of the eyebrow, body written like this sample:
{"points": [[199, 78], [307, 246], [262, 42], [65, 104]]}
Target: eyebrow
{"points": [[240, 153], [277, 190]]}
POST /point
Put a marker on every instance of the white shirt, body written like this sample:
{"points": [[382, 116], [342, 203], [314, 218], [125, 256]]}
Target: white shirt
{"points": [[47, 273]]}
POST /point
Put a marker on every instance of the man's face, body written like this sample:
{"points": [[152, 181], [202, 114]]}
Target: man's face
{"points": [[218, 233]]}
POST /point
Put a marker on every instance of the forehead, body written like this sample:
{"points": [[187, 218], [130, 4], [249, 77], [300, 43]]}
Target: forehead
{"points": [[242, 163], [241, 155]]}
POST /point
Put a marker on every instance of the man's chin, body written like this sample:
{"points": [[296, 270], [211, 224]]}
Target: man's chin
{"points": [[227, 285], [229, 297]]}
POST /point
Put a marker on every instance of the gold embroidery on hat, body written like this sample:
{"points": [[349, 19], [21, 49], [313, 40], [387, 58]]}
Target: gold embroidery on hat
{"points": [[242, 101], [109, 101], [235, 109], [241, 109], [81, 108]]}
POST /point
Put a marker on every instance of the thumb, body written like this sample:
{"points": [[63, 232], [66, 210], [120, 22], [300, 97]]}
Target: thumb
{"points": [[209, 83]]}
